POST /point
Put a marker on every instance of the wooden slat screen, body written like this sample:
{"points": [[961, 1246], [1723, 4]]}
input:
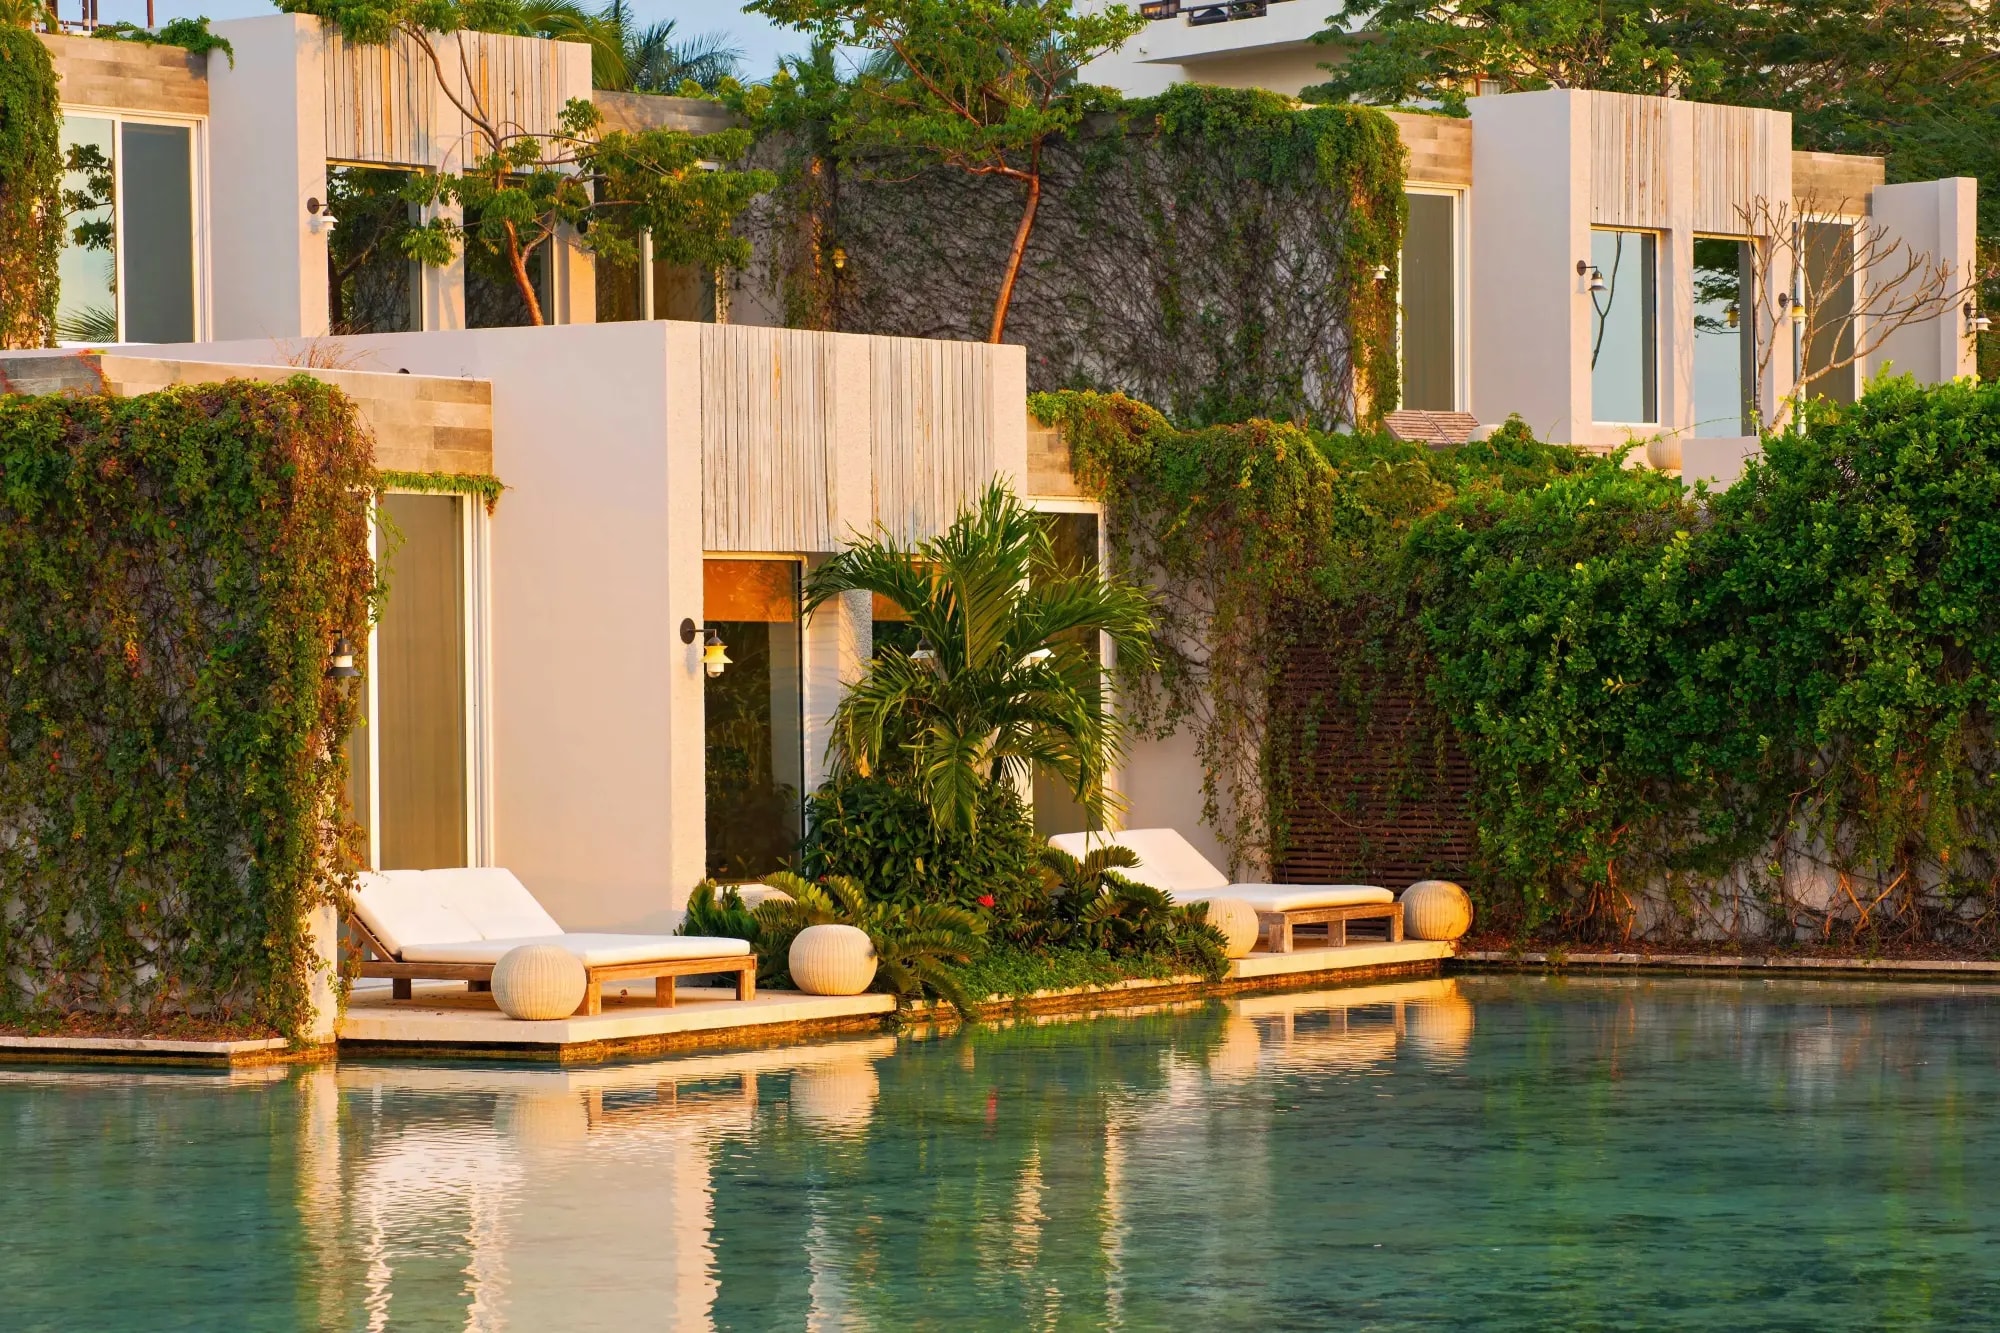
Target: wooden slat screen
{"points": [[1358, 816], [767, 419], [934, 431]]}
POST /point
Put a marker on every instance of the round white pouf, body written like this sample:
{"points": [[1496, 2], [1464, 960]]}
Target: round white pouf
{"points": [[1436, 909], [1237, 920], [832, 960], [538, 981]]}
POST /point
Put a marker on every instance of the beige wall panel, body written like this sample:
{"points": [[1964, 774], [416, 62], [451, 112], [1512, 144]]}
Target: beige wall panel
{"points": [[1630, 162], [1836, 182], [1440, 147], [767, 442], [129, 76], [1738, 158], [935, 432], [378, 102]]}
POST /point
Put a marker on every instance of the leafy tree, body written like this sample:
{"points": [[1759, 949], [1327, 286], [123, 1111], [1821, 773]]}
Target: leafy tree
{"points": [[521, 189], [1391, 52], [1004, 676], [980, 86]]}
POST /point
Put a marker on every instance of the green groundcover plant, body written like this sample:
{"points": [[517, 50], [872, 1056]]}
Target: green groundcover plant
{"points": [[173, 571]]}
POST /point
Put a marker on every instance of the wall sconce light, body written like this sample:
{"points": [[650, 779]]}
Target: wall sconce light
{"points": [[1381, 273], [714, 652], [1039, 656], [1584, 268], [1975, 323], [319, 216], [924, 652], [340, 662], [839, 259], [1733, 316], [1796, 307]]}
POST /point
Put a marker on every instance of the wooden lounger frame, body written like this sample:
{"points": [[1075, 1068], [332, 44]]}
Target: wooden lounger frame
{"points": [[378, 961], [1277, 926]]}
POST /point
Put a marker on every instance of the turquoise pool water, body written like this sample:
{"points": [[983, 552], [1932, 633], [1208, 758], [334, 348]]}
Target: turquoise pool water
{"points": [[1477, 1153]]}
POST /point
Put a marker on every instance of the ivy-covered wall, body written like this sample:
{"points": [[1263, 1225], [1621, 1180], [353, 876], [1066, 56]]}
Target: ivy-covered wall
{"points": [[31, 205], [1766, 714], [174, 568], [1213, 251]]}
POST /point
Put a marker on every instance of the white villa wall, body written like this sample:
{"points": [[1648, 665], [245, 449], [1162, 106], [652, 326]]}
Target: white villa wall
{"points": [[267, 156], [1275, 52], [596, 557], [1938, 218]]}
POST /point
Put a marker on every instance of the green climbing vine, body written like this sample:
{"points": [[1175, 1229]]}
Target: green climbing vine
{"points": [[483, 485], [31, 202], [190, 34], [1222, 253], [173, 570], [1763, 714]]}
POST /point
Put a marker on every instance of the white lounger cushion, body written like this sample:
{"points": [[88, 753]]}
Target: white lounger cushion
{"points": [[1297, 897], [401, 909], [1169, 862], [498, 905], [592, 950]]}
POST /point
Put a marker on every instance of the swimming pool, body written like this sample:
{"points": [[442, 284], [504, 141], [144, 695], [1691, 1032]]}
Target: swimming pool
{"points": [[1477, 1152]]}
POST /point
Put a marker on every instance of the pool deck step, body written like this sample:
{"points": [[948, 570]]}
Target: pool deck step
{"points": [[235, 1053]]}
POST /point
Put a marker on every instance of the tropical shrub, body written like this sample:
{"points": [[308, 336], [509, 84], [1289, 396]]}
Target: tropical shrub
{"points": [[918, 946], [1005, 678], [1086, 905], [881, 834]]}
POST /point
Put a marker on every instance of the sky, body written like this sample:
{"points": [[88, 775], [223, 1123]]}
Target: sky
{"points": [[760, 42]]}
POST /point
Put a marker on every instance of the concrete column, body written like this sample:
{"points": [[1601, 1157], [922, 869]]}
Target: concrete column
{"points": [[443, 289], [686, 812], [267, 149], [1939, 221], [1530, 330]]}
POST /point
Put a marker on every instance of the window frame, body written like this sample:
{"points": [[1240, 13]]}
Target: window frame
{"points": [[1461, 246], [1660, 345], [475, 569], [807, 731], [1747, 307], [197, 127]]}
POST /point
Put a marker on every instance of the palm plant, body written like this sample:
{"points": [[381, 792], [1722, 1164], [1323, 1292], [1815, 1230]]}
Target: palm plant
{"points": [[1005, 676], [1092, 905], [916, 946], [658, 61]]}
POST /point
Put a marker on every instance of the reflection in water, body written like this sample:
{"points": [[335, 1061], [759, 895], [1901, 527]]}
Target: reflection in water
{"points": [[1511, 1153]]}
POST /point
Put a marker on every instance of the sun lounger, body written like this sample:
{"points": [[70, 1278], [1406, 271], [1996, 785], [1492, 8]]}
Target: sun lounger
{"points": [[454, 925], [1168, 862]]}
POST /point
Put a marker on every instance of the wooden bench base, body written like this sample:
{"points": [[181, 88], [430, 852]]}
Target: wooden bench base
{"points": [[1277, 926], [376, 961]]}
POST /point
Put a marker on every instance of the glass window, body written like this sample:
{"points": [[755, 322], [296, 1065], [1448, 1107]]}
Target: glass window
{"points": [[621, 291], [683, 291], [755, 728], [1725, 352], [1624, 348], [1074, 537], [493, 299], [87, 310], [372, 285], [1430, 304], [127, 267], [156, 225], [1827, 368], [420, 691]]}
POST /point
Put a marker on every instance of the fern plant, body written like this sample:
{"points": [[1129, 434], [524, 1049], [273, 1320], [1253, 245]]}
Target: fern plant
{"points": [[917, 946], [1087, 904]]}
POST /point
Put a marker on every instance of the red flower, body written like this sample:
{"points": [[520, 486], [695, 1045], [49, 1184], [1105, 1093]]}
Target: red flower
{"points": [[986, 900]]}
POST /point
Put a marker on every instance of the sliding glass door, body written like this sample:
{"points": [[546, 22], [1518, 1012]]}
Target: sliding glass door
{"points": [[755, 727]]}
